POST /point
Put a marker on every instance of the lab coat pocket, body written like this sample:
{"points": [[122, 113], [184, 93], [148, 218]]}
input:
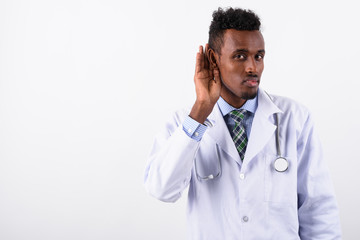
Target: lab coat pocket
{"points": [[280, 187], [283, 219]]}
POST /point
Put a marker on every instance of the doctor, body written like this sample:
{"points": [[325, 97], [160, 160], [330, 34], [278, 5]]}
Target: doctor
{"points": [[225, 149]]}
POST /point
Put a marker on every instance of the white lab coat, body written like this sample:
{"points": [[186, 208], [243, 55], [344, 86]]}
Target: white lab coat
{"points": [[250, 200]]}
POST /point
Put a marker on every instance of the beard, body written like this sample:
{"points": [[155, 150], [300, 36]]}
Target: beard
{"points": [[249, 95]]}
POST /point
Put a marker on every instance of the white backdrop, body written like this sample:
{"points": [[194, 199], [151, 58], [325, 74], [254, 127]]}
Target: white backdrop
{"points": [[85, 85]]}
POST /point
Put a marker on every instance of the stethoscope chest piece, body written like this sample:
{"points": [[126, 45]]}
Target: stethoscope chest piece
{"points": [[281, 164]]}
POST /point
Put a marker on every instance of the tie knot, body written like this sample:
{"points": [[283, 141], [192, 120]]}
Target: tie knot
{"points": [[238, 115]]}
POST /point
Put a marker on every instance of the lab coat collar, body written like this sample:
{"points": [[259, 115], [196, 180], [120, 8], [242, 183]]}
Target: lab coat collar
{"points": [[219, 132], [262, 129], [263, 126]]}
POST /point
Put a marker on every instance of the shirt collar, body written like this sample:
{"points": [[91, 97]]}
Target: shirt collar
{"points": [[250, 106]]}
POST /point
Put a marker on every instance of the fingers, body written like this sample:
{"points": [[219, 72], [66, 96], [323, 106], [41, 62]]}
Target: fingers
{"points": [[206, 58], [217, 76], [216, 86], [202, 59], [199, 59]]}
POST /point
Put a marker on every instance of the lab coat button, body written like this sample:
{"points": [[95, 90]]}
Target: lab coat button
{"points": [[245, 219], [242, 176]]}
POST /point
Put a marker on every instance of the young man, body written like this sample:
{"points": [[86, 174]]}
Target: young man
{"points": [[227, 149]]}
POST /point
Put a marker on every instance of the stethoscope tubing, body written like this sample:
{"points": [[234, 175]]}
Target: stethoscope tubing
{"points": [[280, 164]]}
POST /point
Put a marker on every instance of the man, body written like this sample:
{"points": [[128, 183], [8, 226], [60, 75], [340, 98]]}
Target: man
{"points": [[226, 149]]}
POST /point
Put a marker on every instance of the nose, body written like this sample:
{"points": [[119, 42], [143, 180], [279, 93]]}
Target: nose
{"points": [[251, 66]]}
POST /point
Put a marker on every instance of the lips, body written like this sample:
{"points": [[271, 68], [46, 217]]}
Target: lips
{"points": [[251, 82]]}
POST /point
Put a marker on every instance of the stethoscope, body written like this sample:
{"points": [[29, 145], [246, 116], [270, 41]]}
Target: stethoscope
{"points": [[280, 163]]}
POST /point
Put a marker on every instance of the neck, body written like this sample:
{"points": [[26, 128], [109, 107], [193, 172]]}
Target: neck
{"points": [[234, 101]]}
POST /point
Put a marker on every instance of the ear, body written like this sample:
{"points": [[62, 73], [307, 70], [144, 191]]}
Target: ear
{"points": [[213, 58]]}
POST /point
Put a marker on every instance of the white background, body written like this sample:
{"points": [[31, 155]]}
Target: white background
{"points": [[85, 85]]}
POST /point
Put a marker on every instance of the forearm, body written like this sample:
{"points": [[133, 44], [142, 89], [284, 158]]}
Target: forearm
{"points": [[201, 110], [169, 169]]}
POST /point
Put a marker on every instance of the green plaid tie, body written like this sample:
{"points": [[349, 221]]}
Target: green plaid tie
{"points": [[238, 133]]}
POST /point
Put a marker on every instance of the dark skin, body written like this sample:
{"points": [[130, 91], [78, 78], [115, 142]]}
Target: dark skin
{"points": [[234, 74]]}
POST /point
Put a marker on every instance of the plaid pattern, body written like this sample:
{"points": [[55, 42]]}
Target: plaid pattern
{"points": [[238, 133]]}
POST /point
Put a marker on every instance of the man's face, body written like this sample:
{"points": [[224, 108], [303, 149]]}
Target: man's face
{"points": [[241, 65]]}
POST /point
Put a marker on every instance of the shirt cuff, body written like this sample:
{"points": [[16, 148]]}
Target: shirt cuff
{"points": [[193, 129]]}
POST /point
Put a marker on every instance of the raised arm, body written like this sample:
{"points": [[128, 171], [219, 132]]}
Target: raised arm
{"points": [[168, 171]]}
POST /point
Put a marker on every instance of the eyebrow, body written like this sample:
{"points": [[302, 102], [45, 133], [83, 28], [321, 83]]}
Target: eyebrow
{"points": [[246, 50]]}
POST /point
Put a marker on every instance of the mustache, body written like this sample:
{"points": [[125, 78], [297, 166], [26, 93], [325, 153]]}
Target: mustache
{"points": [[252, 77]]}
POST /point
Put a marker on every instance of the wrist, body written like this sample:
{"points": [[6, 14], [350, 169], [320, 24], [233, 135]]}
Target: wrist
{"points": [[200, 111]]}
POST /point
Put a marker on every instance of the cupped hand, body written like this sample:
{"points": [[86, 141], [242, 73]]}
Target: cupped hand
{"points": [[207, 86]]}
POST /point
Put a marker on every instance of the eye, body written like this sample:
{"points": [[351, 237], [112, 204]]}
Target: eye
{"points": [[240, 56], [259, 57]]}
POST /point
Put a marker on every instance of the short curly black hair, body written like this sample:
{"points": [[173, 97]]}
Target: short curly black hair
{"points": [[231, 18]]}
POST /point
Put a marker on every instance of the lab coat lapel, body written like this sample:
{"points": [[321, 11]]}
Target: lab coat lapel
{"points": [[221, 135], [263, 126]]}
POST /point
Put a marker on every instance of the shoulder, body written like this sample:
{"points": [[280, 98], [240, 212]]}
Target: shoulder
{"points": [[293, 115], [290, 106]]}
